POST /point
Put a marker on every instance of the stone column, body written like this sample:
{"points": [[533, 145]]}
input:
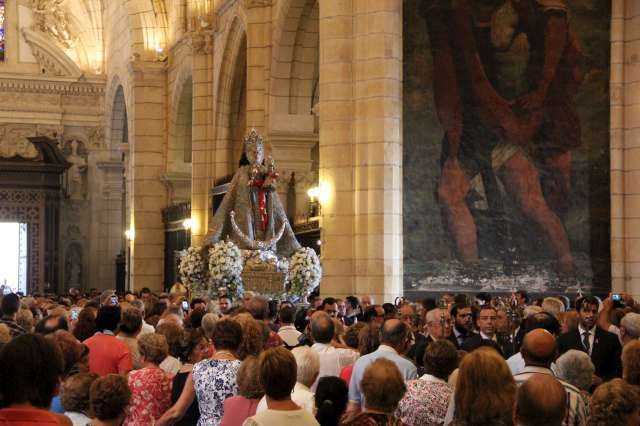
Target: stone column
{"points": [[147, 196], [625, 147], [361, 147], [378, 147], [202, 137], [337, 160]]}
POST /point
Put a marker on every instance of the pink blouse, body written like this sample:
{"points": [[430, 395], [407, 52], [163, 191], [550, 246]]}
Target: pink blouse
{"points": [[237, 409]]}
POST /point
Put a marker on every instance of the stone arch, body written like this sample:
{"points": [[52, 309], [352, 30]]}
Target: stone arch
{"points": [[231, 99], [118, 125], [295, 57]]}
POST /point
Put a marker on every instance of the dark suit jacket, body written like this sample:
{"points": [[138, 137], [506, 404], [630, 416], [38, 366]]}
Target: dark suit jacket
{"points": [[416, 352], [605, 354], [502, 345]]}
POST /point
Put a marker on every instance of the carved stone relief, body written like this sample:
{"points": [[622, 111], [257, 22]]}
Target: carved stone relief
{"points": [[14, 143], [52, 18]]}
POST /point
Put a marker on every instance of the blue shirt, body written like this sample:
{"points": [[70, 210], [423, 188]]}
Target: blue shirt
{"points": [[406, 367], [56, 405]]}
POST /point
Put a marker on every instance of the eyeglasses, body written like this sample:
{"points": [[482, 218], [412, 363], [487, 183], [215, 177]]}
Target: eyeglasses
{"points": [[492, 318]]}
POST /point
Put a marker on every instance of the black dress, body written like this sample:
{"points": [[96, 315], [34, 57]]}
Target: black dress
{"points": [[193, 413]]}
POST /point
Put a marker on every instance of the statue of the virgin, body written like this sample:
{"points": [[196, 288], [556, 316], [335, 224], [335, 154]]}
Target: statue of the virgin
{"points": [[251, 214]]}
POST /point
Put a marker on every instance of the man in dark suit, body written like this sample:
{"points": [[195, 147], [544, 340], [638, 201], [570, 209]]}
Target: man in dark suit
{"points": [[603, 347], [462, 324], [437, 327], [486, 323]]}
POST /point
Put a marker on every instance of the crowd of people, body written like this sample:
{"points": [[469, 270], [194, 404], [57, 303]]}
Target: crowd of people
{"points": [[164, 359]]}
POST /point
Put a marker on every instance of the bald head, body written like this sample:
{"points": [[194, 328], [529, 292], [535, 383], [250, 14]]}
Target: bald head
{"points": [[540, 401], [394, 333], [322, 328], [539, 348]]}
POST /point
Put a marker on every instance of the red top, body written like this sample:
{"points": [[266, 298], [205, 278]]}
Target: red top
{"points": [[108, 355], [150, 396], [346, 373], [30, 417]]}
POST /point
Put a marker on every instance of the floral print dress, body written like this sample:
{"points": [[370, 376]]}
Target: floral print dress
{"points": [[214, 381], [150, 396]]}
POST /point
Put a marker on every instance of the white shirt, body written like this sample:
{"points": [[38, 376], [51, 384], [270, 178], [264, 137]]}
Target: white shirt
{"points": [[78, 419], [146, 329], [171, 365], [516, 364], [592, 336], [289, 335], [430, 378], [301, 395], [485, 337], [282, 417], [332, 360]]}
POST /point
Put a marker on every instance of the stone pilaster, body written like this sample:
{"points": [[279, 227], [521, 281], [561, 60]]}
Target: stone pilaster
{"points": [[258, 61], [202, 136], [147, 196], [361, 147]]}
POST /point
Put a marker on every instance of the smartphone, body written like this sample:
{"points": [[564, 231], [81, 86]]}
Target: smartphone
{"points": [[616, 297], [185, 305], [74, 314], [114, 300]]}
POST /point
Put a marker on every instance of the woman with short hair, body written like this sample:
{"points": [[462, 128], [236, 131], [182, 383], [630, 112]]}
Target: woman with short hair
{"points": [[75, 398], [278, 375], [382, 388], [427, 398], [615, 403], [110, 397], [150, 386], [242, 406], [212, 380], [129, 329]]}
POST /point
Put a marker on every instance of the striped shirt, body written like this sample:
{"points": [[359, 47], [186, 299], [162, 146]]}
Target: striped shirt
{"points": [[577, 407], [14, 329]]}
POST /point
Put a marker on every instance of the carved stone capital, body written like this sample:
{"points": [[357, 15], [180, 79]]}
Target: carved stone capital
{"points": [[202, 42]]}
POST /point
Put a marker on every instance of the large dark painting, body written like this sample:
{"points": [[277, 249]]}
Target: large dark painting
{"points": [[506, 145]]}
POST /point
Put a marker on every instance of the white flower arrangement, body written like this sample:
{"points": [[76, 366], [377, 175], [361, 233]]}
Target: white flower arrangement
{"points": [[225, 267], [305, 272], [192, 269]]}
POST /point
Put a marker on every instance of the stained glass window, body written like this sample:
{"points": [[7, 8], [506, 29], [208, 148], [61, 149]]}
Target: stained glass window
{"points": [[2, 3]]}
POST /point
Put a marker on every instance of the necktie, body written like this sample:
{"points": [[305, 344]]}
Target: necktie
{"points": [[585, 341]]}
